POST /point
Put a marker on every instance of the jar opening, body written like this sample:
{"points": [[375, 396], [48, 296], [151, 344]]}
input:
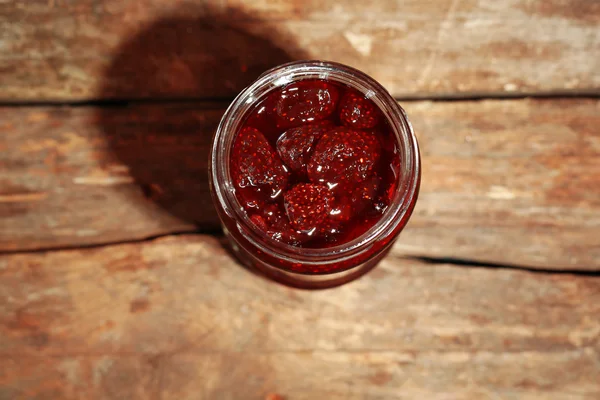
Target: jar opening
{"points": [[234, 117]]}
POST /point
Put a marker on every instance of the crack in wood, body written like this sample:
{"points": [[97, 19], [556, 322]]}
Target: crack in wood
{"points": [[459, 262], [49, 249], [219, 102], [489, 265]]}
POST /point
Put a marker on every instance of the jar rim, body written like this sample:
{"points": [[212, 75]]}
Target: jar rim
{"points": [[280, 76]]}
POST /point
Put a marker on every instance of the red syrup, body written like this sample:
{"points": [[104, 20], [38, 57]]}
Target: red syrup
{"points": [[315, 164]]}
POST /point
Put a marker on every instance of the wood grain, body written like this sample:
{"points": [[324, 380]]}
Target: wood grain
{"points": [[511, 181], [176, 318], [65, 50]]}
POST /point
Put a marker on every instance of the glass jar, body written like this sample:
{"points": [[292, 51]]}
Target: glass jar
{"points": [[312, 268]]}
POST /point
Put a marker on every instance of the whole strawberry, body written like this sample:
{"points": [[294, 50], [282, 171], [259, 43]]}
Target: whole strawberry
{"points": [[344, 155], [295, 145], [307, 206], [358, 112], [257, 172], [305, 102]]}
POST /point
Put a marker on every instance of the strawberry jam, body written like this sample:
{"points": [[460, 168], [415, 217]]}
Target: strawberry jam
{"points": [[314, 172], [314, 164]]}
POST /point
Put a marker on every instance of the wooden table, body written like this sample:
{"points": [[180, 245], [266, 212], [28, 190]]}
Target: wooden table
{"points": [[113, 280]]}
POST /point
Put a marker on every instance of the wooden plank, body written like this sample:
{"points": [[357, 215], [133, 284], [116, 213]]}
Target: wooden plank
{"points": [[177, 318], [515, 182], [91, 175], [79, 50], [511, 181]]}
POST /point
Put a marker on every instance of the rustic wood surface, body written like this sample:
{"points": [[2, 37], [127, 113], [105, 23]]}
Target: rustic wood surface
{"points": [[114, 283], [505, 181], [89, 49], [176, 318]]}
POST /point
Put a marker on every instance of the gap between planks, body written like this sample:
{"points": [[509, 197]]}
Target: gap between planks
{"points": [[457, 262], [467, 96]]}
